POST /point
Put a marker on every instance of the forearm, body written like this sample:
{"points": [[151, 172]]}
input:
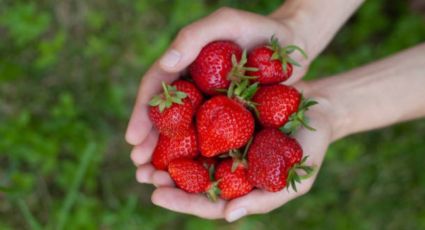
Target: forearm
{"points": [[380, 94], [316, 21]]}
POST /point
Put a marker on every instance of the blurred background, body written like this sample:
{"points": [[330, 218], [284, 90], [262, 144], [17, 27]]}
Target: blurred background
{"points": [[69, 72]]}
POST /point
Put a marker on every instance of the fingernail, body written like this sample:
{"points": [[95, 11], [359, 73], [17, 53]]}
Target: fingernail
{"points": [[236, 214], [170, 59]]}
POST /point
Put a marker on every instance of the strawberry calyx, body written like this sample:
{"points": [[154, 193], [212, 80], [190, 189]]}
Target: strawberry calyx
{"points": [[211, 171], [282, 53], [237, 75], [294, 177], [240, 87], [244, 92], [213, 191], [240, 158], [298, 118], [168, 97]]}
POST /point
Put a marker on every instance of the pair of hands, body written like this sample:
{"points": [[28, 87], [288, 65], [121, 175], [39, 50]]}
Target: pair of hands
{"points": [[248, 30]]}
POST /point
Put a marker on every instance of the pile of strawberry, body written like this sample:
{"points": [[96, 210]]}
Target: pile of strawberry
{"points": [[227, 130]]}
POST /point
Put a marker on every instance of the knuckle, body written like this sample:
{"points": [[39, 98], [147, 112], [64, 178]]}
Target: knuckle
{"points": [[154, 197], [227, 12], [134, 158], [185, 32]]}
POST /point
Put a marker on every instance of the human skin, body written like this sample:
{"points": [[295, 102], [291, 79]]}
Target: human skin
{"points": [[377, 95], [302, 22], [291, 23]]}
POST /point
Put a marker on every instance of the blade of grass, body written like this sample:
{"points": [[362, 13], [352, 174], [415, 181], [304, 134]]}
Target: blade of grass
{"points": [[71, 196], [29, 218]]}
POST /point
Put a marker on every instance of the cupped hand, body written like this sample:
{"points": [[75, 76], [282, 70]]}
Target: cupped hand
{"points": [[245, 28]]}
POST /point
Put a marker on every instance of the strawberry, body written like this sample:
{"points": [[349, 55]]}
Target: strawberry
{"points": [[191, 91], [171, 112], [273, 159], [223, 124], [189, 175], [170, 148], [211, 68], [232, 179], [281, 106], [272, 62]]}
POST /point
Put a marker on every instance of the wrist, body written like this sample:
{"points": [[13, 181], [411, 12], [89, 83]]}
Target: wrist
{"points": [[374, 96], [336, 117]]}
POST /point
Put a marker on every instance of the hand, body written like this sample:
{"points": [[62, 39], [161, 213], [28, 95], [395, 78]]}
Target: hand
{"points": [[314, 145], [246, 29]]}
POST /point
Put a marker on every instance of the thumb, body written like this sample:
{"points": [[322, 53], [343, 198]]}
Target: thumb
{"points": [[190, 40]]}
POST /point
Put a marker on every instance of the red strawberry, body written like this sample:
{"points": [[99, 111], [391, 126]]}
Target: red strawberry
{"points": [[273, 159], [171, 112], [278, 104], [269, 71], [189, 175], [273, 62], [191, 91], [171, 148], [267, 167], [223, 124], [211, 68], [232, 179]]}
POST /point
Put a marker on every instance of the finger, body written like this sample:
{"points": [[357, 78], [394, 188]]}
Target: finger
{"points": [[260, 201], [142, 153], [162, 178], [190, 40], [217, 26], [196, 204], [144, 173], [297, 74], [147, 174], [139, 125]]}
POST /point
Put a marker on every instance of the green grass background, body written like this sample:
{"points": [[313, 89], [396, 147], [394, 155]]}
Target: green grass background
{"points": [[69, 72]]}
